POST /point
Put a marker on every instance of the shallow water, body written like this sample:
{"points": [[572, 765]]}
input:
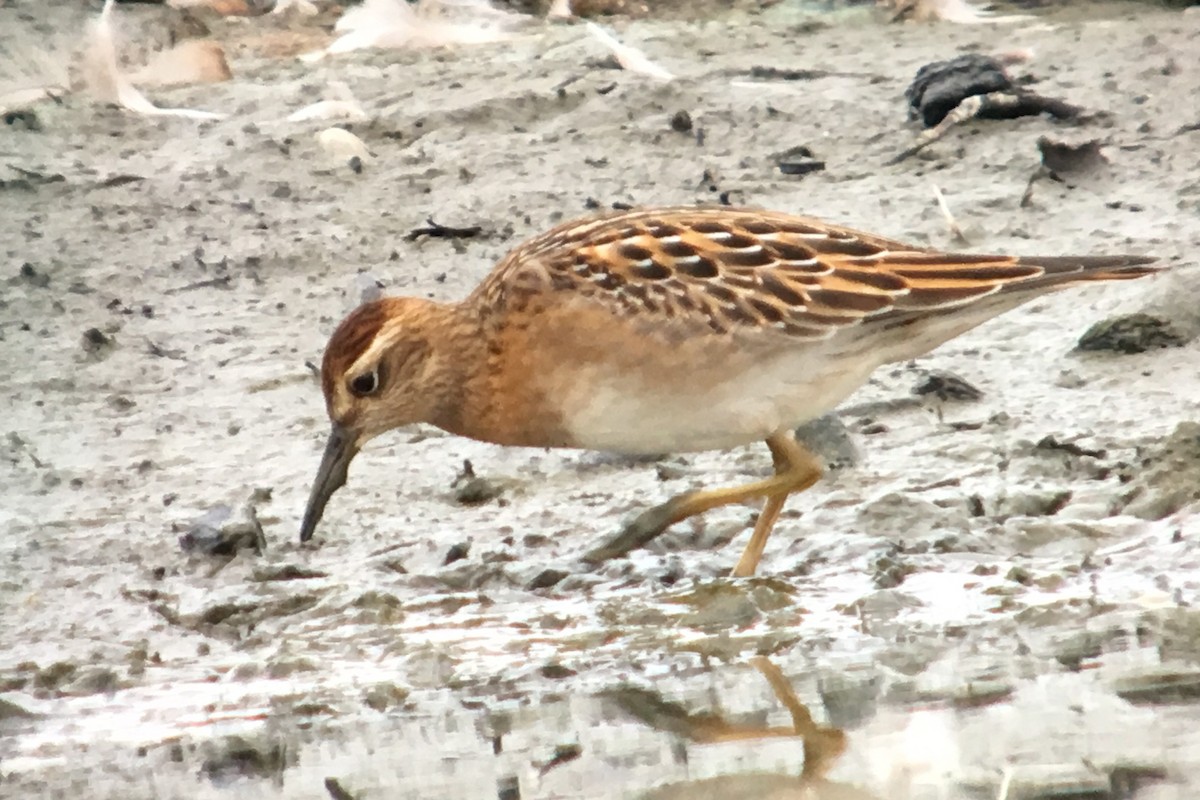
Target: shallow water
{"points": [[991, 599], [966, 726]]}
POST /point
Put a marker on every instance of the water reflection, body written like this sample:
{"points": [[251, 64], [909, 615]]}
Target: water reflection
{"points": [[671, 729], [821, 745]]}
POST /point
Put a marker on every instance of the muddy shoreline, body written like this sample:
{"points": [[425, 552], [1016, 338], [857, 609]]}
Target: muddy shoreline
{"points": [[1010, 578]]}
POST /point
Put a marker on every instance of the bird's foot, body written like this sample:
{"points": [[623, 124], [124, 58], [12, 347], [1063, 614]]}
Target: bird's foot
{"points": [[638, 533]]}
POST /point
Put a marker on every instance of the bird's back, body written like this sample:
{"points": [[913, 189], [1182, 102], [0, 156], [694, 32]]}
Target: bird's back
{"points": [[698, 328]]}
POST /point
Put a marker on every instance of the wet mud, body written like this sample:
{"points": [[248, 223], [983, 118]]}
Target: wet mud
{"points": [[992, 594]]}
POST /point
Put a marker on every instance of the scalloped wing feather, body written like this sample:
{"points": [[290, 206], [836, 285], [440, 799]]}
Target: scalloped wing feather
{"points": [[726, 270]]}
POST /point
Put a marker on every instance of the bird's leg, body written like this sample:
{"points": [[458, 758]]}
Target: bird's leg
{"points": [[795, 469], [822, 745], [798, 469]]}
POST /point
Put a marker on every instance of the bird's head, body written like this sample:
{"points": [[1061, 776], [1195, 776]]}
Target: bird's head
{"points": [[377, 374]]}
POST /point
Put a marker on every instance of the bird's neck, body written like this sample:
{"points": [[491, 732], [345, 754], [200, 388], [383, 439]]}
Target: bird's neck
{"points": [[488, 383], [460, 357]]}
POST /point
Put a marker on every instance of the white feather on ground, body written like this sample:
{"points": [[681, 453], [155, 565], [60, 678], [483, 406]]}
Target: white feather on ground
{"points": [[107, 83], [394, 24], [959, 11], [16, 100], [560, 9], [630, 58], [301, 7], [340, 104], [29, 74]]}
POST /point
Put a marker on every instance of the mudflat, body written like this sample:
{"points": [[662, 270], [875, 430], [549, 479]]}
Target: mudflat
{"points": [[995, 583]]}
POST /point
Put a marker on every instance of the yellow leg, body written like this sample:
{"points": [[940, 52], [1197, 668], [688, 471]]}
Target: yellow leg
{"points": [[798, 469], [822, 746], [795, 469]]}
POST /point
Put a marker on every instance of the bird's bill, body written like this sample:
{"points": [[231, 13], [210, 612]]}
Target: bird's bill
{"points": [[331, 476]]}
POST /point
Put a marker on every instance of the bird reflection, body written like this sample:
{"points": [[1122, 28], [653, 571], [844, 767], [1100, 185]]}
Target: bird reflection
{"points": [[822, 746]]}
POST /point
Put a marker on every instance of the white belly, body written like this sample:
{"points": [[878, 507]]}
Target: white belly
{"points": [[641, 415]]}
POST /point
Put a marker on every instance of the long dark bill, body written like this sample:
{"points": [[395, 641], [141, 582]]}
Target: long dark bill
{"points": [[331, 476]]}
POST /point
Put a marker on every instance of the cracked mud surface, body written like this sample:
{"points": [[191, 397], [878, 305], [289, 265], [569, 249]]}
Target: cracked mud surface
{"points": [[1012, 578]]}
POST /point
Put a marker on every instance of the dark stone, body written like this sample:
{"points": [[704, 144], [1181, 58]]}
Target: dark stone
{"points": [[1130, 333], [939, 87]]}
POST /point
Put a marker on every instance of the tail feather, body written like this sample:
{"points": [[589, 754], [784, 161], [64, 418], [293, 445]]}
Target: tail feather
{"points": [[936, 282], [1067, 270], [926, 328]]}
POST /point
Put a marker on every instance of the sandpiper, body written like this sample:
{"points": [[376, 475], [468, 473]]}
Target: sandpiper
{"points": [[668, 330]]}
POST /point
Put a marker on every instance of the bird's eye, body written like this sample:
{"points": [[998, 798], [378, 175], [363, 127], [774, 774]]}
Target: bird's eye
{"points": [[365, 384]]}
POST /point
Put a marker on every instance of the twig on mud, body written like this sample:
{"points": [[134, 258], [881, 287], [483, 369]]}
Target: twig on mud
{"points": [[994, 105], [762, 73], [23, 446], [945, 483], [223, 282], [120, 179], [967, 109], [563, 754], [1070, 448], [336, 790], [951, 223], [37, 177], [562, 85], [1027, 195], [435, 230], [158, 350]]}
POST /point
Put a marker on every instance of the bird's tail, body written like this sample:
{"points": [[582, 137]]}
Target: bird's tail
{"points": [[948, 299]]}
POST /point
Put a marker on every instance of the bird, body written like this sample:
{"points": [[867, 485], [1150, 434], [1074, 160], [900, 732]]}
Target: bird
{"points": [[668, 330]]}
